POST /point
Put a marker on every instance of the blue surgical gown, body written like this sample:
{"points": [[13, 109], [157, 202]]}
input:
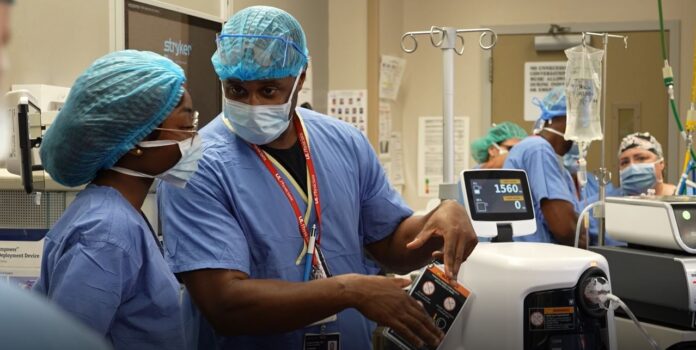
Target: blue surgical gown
{"points": [[548, 179], [233, 215], [101, 264]]}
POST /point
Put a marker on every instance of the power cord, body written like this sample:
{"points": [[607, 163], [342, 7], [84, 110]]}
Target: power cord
{"points": [[598, 291]]}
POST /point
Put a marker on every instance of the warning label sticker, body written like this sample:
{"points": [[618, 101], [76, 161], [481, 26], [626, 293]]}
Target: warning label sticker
{"points": [[552, 318]]}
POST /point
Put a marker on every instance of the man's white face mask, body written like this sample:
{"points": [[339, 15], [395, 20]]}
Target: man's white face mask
{"points": [[5, 122]]}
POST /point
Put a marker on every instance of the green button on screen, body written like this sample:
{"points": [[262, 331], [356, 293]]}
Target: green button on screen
{"points": [[686, 215]]}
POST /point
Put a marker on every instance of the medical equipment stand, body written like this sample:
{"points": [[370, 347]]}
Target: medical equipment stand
{"points": [[445, 38], [603, 174]]}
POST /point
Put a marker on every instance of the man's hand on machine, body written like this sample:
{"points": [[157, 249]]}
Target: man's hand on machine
{"points": [[383, 300], [451, 222]]}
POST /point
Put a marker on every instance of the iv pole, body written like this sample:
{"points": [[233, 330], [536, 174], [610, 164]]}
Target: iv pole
{"points": [[445, 38], [604, 174]]}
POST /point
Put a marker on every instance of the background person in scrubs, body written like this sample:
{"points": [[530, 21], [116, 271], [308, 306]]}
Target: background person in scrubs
{"points": [[642, 166], [235, 235], [29, 322], [491, 150], [127, 120], [591, 189], [553, 191], [589, 194]]}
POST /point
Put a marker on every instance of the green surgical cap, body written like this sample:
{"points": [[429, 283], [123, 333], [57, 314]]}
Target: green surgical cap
{"points": [[497, 134]]}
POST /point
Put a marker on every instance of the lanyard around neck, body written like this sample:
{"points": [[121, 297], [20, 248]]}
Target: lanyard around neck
{"points": [[312, 191]]}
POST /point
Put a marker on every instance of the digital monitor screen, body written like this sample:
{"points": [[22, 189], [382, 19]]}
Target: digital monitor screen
{"points": [[187, 40], [498, 196]]}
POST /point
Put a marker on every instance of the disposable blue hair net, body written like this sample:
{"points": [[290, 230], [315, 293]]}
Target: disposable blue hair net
{"points": [[497, 134], [260, 42], [119, 100], [553, 105]]}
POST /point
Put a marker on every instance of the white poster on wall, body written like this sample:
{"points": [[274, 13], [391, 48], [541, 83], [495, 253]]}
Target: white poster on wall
{"points": [[397, 160], [390, 73], [385, 127], [539, 79], [349, 106], [430, 152]]}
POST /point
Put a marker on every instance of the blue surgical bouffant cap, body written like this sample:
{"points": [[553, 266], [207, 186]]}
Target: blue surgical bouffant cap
{"points": [[553, 105], [119, 100], [260, 42]]}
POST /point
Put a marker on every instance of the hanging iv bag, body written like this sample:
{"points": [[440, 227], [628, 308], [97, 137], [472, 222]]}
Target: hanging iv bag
{"points": [[583, 86]]}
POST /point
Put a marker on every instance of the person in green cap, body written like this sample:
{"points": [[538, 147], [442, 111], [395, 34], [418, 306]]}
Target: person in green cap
{"points": [[491, 150]]}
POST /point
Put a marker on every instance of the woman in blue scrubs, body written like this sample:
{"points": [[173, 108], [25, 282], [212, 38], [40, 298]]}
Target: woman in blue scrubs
{"points": [[274, 179], [128, 119]]}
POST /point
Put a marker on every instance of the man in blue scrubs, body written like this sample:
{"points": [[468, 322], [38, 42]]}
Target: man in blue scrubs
{"points": [[276, 182], [553, 191]]}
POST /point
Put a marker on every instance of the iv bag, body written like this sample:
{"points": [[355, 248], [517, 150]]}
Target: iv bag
{"points": [[583, 85]]}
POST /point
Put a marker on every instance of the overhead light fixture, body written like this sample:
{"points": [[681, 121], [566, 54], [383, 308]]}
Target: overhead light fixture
{"points": [[556, 42], [557, 39]]}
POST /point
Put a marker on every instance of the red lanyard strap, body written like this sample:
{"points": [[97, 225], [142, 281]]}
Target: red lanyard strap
{"points": [[286, 190]]}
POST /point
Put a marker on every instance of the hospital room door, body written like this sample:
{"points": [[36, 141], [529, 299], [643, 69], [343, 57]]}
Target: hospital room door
{"points": [[636, 96]]}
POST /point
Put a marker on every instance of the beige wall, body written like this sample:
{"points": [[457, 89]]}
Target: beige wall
{"points": [[347, 44], [54, 41], [421, 93], [390, 31]]}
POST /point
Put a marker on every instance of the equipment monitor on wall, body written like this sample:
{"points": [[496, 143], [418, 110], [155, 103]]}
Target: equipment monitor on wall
{"points": [[27, 131], [498, 199], [185, 37]]}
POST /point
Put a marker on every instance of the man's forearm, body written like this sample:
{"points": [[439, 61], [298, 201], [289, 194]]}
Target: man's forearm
{"points": [[254, 307], [393, 254]]}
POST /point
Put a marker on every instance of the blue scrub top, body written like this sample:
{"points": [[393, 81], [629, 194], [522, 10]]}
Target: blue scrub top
{"points": [[548, 179], [101, 264], [233, 215]]}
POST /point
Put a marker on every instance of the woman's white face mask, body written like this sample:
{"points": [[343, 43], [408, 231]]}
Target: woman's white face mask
{"points": [[178, 175], [259, 124]]}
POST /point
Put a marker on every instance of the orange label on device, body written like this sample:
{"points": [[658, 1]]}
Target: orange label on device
{"points": [[458, 287], [558, 310]]}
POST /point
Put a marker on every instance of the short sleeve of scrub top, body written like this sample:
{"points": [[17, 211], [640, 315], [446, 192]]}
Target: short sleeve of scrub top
{"points": [[547, 179], [214, 239], [89, 280], [381, 206]]}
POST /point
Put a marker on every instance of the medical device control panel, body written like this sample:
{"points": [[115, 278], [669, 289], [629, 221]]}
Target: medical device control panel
{"points": [[690, 274], [661, 222], [498, 197]]}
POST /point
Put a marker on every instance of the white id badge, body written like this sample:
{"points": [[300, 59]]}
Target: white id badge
{"points": [[331, 341]]}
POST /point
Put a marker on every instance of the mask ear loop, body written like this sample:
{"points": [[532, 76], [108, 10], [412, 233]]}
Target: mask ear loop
{"points": [[501, 150]]}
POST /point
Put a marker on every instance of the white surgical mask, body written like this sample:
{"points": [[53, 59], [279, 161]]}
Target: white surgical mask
{"points": [[259, 124], [554, 131], [501, 151], [179, 174]]}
